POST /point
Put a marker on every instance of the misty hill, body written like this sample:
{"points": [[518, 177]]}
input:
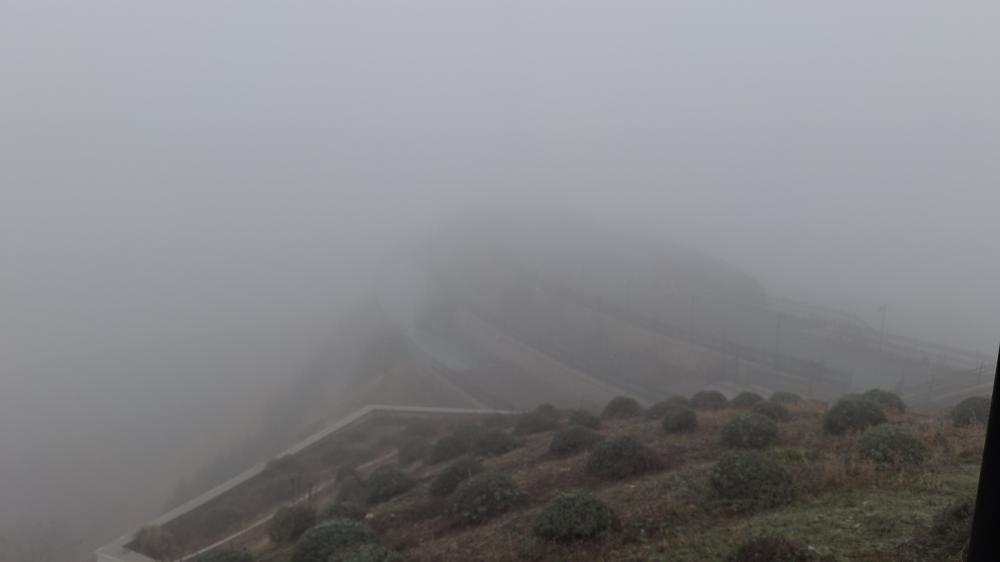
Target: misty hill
{"points": [[573, 315]]}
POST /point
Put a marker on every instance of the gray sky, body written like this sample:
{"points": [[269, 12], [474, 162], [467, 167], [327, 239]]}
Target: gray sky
{"points": [[190, 191]]}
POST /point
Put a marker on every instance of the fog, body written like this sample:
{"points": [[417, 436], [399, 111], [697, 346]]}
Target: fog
{"points": [[192, 195]]}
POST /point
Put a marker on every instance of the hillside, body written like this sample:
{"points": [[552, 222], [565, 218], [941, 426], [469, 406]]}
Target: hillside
{"points": [[836, 495]]}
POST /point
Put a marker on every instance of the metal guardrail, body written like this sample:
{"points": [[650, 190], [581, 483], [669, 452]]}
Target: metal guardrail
{"points": [[118, 551]]}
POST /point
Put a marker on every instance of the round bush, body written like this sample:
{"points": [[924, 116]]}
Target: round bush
{"points": [[343, 511], [481, 498], [782, 397], [447, 448], [573, 439], [573, 516], [892, 445], [289, 523], [448, 479], [852, 413], [549, 411], [774, 410], [951, 526], [772, 549], [584, 418], [621, 457], [746, 400], [157, 543], [748, 479], [971, 411], [388, 483], [412, 450], [323, 540], [367, 553], [889, 401], [657, 410], [679, 418], [533, 422], [493, 443], [750, 431], [709, 400], [621, 407], [226, 555]]}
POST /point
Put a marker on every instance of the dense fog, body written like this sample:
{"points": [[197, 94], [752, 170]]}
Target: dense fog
{"points": [[193, 197]]}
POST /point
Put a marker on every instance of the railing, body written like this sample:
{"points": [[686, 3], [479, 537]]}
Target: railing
{"points": [[118, 551]]}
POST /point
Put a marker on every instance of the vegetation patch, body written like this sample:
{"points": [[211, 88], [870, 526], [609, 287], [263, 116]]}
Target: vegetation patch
{"points": [[548, 410], [889, 401], [709, 400], [329, 537], [677, 419], [749, 431], [494, 443], [412, 450], [621, 457], [657, 410], [367, 553], [573, 516], [448, 479], [890, 445], [971, 411], [289, 523], [157, 543], [388, 483], [572, 440], [748, 480], [774, 410], [447, 448], [533, 422], [344, 511], [225, 555], [782, 397], [852, 413], [772, 549], [621, 407], [746, 400], [481, 498], [583, 418]]}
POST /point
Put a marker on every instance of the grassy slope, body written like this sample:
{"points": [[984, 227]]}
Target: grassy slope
{"points": [[843, 508]]}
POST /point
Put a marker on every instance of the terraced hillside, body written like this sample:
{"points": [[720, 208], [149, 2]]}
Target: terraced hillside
{"points": [[683, 480]]}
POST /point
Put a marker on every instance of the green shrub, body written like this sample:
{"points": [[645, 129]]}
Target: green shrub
{"points": [[621, 457], [225, 555], [481, 498], [343, 511], [951, 526], [494, 443], [889, 401], [323, 540], [749, 431], [157, 543], [574, 515], [448, 479], [793, 454], [746, 400], [367, 553], [971, 411], [387, 483], [532, 422], [584, 418], [573, 439], [621, 407], [772, 549], [749, 479], [677, 419], [852, 413], [447, 448], [774, 410], [782, 397], [657, 410], [709, 400], [289, 523], [549, 411], [892, 445], [412, 450]]}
